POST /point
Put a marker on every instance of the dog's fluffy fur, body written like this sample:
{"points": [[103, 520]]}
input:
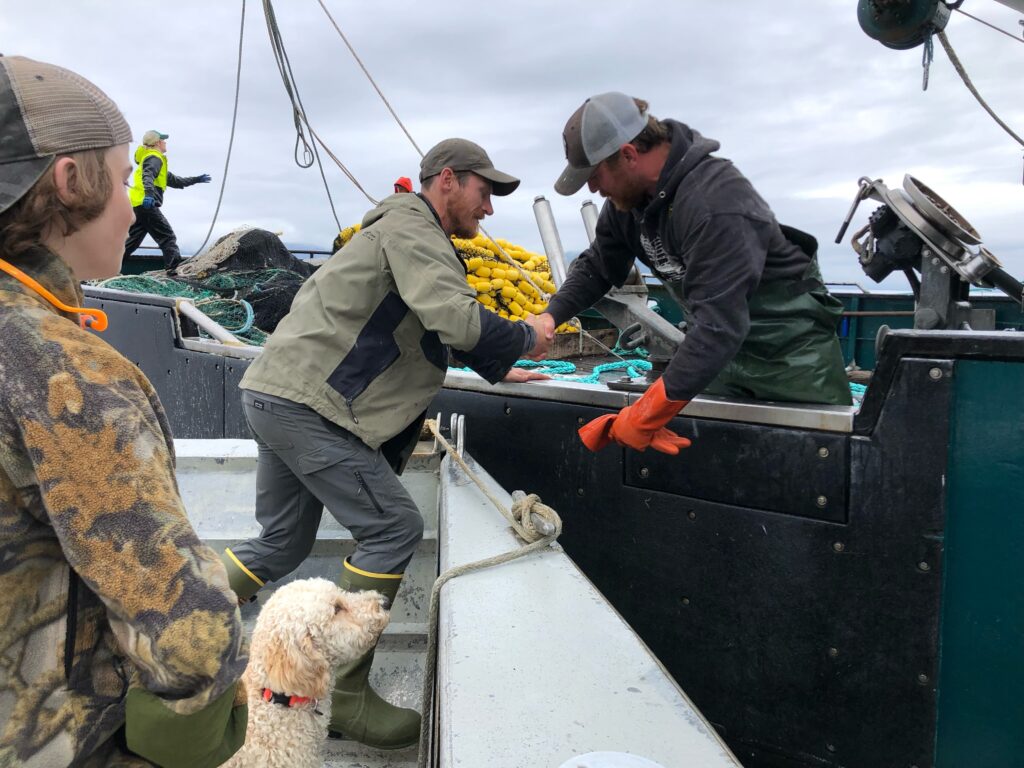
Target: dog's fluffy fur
{"points": [[305, 630]]}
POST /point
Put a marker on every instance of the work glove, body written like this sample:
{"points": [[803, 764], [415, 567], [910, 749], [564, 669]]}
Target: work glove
{"points": [[204, 179], [148, 202], [203, 739], [640, 425]]}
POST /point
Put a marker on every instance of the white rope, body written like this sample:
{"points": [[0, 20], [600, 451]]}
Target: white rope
{"points": [[970, 86]]}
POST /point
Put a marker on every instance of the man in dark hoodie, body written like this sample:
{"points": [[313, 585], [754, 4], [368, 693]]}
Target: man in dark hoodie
{"points": [[149, 181], [760, 323]]}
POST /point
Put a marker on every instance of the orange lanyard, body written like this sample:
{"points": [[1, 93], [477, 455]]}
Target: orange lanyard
{"points": [[95, 319]]}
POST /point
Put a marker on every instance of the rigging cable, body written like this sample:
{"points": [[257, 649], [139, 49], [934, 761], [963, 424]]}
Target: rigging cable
{"points": [[503, 254], [231, 140], [991, 26], [310, 154], [370, 78], [970, 86]]}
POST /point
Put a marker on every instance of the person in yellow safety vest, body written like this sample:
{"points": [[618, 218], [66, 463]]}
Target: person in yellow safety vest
{"points": [[149, 181]]}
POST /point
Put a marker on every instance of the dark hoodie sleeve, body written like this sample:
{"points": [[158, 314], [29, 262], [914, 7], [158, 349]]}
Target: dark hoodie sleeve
{"points": [[604, 264], [180, 182], [150, 170], [725, 256]]}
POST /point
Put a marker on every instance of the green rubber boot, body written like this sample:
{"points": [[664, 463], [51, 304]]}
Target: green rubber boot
{"points": [[242, 581], [357, 712]]}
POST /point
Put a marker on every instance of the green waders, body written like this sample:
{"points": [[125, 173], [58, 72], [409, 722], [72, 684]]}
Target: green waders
{"points": [[792, 352]]}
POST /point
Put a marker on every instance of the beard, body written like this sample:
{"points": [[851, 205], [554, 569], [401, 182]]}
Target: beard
{"points": [[463, 224], [466, 231]]}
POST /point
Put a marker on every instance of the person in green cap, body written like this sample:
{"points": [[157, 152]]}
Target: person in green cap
{"points": [[149, 181]]}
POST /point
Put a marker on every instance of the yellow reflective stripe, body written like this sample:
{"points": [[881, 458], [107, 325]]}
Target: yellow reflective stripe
{"points": [[371, 574], [244, 570]]}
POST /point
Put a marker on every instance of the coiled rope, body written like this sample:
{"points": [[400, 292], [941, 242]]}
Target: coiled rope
{"points": [[520, 518]]}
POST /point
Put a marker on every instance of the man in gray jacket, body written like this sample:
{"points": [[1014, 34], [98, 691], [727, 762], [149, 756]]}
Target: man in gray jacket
{"points": [[760, 323], [337, 398]]}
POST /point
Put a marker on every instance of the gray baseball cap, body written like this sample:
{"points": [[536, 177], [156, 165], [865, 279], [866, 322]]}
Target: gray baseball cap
{"points": [[464, 155], [595, 132], [45, 111]]}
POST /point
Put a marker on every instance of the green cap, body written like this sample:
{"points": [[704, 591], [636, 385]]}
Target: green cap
{"points": [[150, 138], [463, 155]]}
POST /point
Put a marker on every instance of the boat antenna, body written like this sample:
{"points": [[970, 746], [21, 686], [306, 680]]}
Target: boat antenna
{"points": [[309, 153], [231, 140]]}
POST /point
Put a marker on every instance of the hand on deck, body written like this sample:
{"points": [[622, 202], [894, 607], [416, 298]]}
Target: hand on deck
{"points": [[521, 375]]}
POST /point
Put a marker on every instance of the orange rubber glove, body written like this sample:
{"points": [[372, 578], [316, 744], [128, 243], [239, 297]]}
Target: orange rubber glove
{"points": [[640, 425]]}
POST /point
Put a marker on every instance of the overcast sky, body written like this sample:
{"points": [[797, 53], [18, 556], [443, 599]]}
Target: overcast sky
{"points": [[801, 100]]}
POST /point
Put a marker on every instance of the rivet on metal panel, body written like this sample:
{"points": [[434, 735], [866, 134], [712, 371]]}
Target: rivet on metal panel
{"points": [[821, 501], [833, 652], [922, 678], [686, 601], [838, 546], [923, 566], [830, 747], [692, 515], [645, 472], [579, 491], [935, 373], [508, 409], [581, 421], [823, 452]]}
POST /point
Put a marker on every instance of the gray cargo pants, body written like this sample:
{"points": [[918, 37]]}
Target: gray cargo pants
{"points": [[307, 463]]}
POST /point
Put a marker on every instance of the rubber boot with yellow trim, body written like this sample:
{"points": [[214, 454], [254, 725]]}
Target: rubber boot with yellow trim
{"points": [[357, 711], [242, 581]]}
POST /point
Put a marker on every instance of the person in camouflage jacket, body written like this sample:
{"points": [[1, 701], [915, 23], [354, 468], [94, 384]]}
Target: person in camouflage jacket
{"points": [[121, 640]]}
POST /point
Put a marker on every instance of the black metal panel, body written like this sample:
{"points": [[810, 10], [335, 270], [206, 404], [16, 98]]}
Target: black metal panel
{"points": [[798, 472], [235, 425], [190, 384], [962, 345], [806, 642]]}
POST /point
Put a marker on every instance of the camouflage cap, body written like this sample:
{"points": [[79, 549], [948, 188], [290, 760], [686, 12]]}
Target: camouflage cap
{"points": [[45, 111], [464, 155]]}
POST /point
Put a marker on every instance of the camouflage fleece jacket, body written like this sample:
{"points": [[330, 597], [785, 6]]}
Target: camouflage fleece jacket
{"points": [[102, 578]]}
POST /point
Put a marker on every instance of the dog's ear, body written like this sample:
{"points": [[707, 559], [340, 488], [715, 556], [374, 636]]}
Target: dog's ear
{"points": [[295, 666]]}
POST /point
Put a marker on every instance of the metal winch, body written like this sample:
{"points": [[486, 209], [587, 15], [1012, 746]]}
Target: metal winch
{"points": [[917, 232]]}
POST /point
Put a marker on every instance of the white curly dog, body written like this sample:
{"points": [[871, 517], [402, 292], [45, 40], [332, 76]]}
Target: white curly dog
{"points": [[303, 633]]}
